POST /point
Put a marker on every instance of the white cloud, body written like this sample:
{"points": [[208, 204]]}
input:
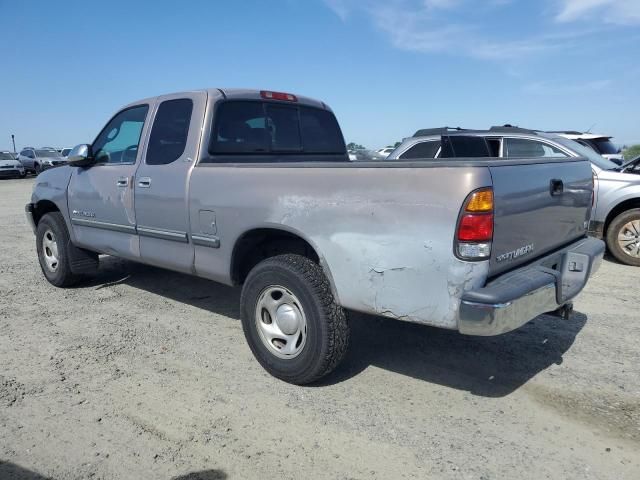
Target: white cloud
{"points": [[421, 31], [340, 7], [454, 26], [623, 12]]}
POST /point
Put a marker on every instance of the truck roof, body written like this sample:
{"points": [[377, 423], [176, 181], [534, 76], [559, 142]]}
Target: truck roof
{"points": [[240, 94]]}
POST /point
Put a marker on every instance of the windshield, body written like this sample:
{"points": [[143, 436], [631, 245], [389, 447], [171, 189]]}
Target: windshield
{"points": [[47, 153], [604, 146], [587, 152], [6, 156]]}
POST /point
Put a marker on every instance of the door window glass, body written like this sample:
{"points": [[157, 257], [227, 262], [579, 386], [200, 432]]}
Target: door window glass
{"points": [[524, 148], [168, 137], [119, 140], [422, 150]]}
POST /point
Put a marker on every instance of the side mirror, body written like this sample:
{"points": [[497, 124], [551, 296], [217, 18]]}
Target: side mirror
{"points": [[80, 156]]}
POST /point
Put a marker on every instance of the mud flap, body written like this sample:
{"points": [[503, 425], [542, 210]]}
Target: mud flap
{"points": [[81, 261]]}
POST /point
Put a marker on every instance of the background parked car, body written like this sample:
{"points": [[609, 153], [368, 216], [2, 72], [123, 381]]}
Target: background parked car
{"points": [[365, 156], [631, 166], [602, 144], [386, 151], [615, 216], [38, 159], [65, 152], [9, 166]]}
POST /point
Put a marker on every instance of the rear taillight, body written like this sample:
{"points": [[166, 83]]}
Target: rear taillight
{"points": [[476, 228], [474, 232], [287, 97]]}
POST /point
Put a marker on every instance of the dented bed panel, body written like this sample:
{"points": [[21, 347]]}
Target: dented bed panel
{"points": [[384, 236]]}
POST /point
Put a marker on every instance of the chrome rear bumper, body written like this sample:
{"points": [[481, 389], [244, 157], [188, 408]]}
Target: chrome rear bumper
{"points": [[515, 298]]}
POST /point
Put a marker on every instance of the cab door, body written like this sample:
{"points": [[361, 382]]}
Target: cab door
{"points": [[162, 181], [101, 196]]}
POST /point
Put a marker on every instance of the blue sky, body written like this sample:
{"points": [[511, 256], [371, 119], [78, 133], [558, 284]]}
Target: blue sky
{"points": [[387, 67]]}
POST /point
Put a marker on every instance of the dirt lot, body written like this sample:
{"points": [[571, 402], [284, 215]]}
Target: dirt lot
{"points": [[145, 374]]}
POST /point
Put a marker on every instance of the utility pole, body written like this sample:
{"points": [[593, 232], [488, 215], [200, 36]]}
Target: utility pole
{"points": [[13, 139]]}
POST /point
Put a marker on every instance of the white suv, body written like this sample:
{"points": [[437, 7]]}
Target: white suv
{"points": [[602, 144]]}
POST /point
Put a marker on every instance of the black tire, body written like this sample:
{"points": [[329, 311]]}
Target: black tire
{"points": [[37, 169], [61, 276], [327, 331], [614, 229], [23, 174]]}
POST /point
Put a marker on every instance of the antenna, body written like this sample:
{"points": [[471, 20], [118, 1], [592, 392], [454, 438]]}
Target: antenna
{"points": [[590, 128]]}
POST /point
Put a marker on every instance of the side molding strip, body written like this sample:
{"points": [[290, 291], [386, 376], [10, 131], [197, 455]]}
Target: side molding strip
{"points": [[213, 242], [163, 234], [83, 222]]}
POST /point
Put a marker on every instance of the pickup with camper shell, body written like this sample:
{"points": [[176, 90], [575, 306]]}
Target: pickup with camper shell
{"points": [[255, 188]]}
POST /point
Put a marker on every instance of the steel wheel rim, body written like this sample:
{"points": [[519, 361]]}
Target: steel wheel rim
{"points": [[50, 250], [629, 238], [281, 322]]}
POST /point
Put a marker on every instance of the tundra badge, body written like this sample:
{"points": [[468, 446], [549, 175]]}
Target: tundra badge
{"points": [[83, 213], [513, 254]]}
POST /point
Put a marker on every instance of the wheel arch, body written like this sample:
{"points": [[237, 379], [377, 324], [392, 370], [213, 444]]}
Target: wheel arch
{"points": [[41, 208], [267, 241], [621, 207]]}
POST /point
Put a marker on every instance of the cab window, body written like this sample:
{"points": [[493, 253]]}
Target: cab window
{"points": [[168, 137], [118, 142]]}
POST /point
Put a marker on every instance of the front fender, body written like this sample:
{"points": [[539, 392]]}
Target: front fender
{"points": [[51, 186]]}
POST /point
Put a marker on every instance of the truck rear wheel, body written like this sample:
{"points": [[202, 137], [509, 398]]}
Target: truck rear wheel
{"points": [[52, 243], [623, 237], [290, 318]]}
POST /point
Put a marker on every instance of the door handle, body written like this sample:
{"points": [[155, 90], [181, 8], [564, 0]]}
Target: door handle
{"points": [[144, 182], [123, 182], [556, 187]]}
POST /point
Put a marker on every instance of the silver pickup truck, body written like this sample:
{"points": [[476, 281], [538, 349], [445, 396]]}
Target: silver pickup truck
{"points": [[255, 188]]}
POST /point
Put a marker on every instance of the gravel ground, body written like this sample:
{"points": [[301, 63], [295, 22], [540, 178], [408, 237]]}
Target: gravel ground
{"points": [[144, 373]]}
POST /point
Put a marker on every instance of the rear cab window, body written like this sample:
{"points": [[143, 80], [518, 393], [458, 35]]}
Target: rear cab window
{"points": [[273, 131]]}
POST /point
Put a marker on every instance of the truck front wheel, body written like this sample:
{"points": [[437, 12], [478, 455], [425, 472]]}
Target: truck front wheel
{"points": [[52, 243], [291, 320], [623, 237]]}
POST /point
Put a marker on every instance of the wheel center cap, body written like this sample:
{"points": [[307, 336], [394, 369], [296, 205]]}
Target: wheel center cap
{"points": [[288, 319]]}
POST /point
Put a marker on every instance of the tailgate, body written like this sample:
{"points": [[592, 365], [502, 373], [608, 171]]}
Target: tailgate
{"points": [[539, 207]]}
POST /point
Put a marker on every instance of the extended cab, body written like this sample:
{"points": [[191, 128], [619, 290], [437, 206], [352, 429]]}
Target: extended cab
{"points": [[255, 188]]}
